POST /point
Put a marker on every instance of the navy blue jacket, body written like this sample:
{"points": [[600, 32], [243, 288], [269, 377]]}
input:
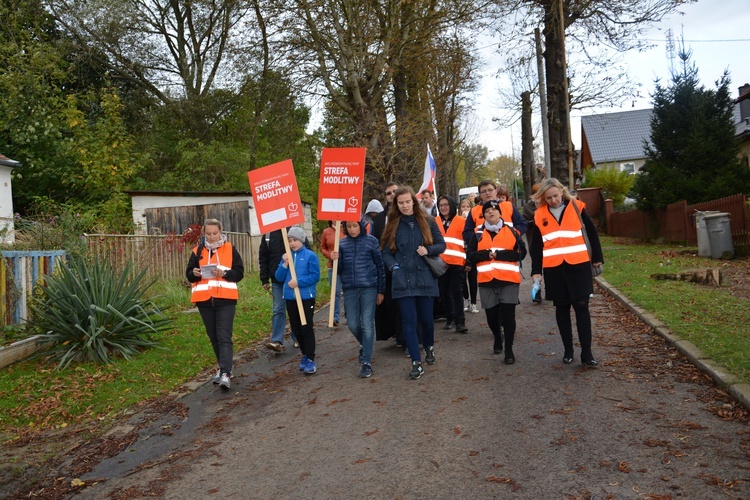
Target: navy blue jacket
{"points": [[413, 278], [360, 261]]}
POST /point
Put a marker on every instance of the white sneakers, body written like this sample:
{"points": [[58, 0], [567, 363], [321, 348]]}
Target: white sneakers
{"points": [[474, 308]]}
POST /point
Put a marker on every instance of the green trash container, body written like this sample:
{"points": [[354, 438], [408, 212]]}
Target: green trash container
{"points": [[719, 229]]}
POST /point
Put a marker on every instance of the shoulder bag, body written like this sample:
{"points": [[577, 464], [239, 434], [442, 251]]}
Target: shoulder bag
{"points": [[436, 264]]}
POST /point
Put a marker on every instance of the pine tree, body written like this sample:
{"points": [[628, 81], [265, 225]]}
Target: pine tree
{"points": [[693, 153]]}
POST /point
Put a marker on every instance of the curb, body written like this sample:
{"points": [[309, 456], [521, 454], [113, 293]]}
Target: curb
{"points": [[725, 380]]}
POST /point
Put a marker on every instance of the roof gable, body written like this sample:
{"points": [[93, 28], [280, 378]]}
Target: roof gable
{"points": [[617, 136]]}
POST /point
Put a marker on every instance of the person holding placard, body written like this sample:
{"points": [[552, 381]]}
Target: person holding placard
{"points": [[307, 271], [362, 273], [215, 293], [327, 244], [409, 237]]}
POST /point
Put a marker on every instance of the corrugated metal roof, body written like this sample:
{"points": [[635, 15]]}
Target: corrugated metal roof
{"points": [[617, 136]]}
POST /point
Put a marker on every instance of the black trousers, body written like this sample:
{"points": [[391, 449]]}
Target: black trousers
{"points": [[218, 318], [452, 292], [305, 334]]}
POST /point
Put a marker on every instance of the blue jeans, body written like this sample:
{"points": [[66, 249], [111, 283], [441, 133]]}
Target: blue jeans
{"points": [[359, 304], [278, 317], [337, 302], [413, 310]]}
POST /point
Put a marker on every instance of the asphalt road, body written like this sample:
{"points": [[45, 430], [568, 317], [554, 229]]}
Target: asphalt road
{"points": [[646, 423]]}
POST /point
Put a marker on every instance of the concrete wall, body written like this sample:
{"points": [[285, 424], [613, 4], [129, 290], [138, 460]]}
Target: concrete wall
{"points": [[6, 205]]}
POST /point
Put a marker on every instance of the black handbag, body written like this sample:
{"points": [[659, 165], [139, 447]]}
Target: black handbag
{"points": [[436, 264]]}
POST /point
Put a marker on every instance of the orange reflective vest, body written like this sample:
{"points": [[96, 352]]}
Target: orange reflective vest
{"points": [[563, 242], [506, 213], [215, 287], [498, 269], [455, 253]]}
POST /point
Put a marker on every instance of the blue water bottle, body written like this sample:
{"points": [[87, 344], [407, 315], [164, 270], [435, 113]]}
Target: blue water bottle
{"points": [[536, 290]]}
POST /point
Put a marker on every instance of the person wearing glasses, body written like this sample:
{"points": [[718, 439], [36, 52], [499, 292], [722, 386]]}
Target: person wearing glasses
{"points": [[511, 216]]}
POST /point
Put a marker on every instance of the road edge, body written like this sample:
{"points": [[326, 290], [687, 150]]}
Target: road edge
{"points": [[721, 376]]}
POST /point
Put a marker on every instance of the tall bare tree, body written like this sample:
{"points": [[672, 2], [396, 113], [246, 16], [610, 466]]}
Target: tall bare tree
{"points": [[593, 30], [374, 61]]}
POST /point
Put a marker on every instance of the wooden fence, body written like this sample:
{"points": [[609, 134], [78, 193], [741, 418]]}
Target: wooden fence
{"points": [[162, 256], [676, 223]]}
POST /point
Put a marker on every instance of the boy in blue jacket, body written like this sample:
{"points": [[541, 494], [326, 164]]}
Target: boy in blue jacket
{"points": [[362, 275], [307, 268]]}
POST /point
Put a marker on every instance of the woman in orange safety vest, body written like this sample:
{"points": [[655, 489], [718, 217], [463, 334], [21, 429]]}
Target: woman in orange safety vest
{"points": [[497, 250], [452, 283], [214, 269], [559, 250]]}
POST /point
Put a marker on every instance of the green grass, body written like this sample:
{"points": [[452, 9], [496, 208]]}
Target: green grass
{"points": [[712, 318], [34, 396]]}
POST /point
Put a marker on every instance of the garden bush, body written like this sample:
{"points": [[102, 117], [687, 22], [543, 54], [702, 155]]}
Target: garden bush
{"points": [[85, 312]]}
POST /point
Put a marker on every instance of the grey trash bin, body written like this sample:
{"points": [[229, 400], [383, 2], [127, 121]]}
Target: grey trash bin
{"points": [[704, 243], [719, 230]]}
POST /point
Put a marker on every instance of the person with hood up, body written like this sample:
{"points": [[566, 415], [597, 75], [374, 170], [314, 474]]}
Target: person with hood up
{"points": [[373, 209], [452, 283], [360, 267], [307, 270]]}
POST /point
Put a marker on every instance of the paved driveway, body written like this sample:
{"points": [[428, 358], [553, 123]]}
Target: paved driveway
{"points": [[644, 424]]}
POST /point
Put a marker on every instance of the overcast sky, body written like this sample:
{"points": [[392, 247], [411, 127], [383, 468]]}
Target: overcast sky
{"points": [[717, 32]]}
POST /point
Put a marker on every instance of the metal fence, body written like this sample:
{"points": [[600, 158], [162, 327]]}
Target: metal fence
{"points": [[162, 256], [20, 272]]}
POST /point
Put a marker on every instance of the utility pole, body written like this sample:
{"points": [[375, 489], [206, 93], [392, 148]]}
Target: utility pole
{"points": [[561, 27], [543, 104]]}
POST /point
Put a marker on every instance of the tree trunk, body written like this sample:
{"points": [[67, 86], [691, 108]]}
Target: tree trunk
{"points": [[554, 49], [527, 144]]}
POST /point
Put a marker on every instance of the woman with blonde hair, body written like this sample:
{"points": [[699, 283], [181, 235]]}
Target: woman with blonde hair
{"points": [[408, 238], [214, 268], [558, 249]]}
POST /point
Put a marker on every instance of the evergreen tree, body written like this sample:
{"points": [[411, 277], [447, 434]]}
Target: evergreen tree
{"points": [[693, 153]]}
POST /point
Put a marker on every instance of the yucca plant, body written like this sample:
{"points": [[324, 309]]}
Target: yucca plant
{"points": [[86, 312]]}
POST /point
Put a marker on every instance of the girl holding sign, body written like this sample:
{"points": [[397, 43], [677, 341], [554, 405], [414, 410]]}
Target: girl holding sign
{"points": [[408, 238]]}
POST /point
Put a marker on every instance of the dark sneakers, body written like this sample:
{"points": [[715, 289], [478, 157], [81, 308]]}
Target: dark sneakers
{"points": [[461, 328], [365, 371], [429, 355], [416, 370]]}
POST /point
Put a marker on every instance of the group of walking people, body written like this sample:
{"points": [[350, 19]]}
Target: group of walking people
{"points": [[389, 287]]}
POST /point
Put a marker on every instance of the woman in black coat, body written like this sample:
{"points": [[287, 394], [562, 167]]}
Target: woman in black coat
{"points": [[559, 250]]}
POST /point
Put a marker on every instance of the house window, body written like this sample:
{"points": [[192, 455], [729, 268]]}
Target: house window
{"points": [[627, 167]]}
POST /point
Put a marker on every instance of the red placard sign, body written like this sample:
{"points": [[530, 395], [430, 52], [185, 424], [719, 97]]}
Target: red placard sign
{"points": [[342, 176], [276, 197]]}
